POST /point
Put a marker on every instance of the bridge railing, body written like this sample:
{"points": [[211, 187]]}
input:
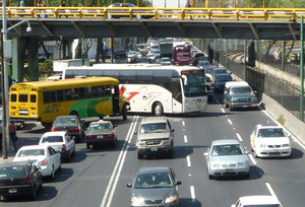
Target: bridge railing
{"points": [[248, 14]]}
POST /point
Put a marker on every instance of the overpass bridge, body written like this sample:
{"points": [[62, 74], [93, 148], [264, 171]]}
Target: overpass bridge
{"points": [[94, 22]]}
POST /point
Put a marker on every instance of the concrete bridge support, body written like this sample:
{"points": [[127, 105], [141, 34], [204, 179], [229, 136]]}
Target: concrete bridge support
{"points": [[18, 48], [33, 45]]}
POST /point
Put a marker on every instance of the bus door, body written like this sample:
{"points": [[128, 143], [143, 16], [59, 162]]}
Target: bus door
{"points": [[176, 95], [115, 99]]}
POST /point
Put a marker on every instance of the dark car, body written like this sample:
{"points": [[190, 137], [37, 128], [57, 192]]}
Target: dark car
{"points": [[99, 133], [217, 71], [19, 178], [220, 81], [195, 58], [71, 124], [155, 186]]}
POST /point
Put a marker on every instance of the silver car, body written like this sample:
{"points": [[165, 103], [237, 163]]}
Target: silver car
{"points": [[154, 187], [226, 158]]}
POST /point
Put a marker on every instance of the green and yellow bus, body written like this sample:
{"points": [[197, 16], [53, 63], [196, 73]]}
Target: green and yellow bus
{"points": [[85, 97]]}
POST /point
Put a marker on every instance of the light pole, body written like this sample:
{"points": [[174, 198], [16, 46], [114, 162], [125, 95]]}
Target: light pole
{"points": [[4, 78]]}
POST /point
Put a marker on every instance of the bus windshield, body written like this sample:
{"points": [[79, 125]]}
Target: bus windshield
{"points": [[193, 83]]}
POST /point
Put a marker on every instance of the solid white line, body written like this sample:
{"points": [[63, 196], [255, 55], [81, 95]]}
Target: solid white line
{"points": [[230, 122], [193, 195], [183, 123], [239, 137], [185, 138], [223, 111], [252, 159], [271, 190], [188, 160], [108, 188]]}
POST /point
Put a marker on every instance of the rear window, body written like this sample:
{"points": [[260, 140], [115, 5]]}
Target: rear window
{"points": [[153, 128], [49, 139], [33, 98], [23, 98], [31, 152], [12, 172], [238, 90], [271, 132], [65, 121], [13, 97], [98, 127]]}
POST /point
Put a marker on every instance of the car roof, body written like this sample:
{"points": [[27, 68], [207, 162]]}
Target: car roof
{"points": [[273, 125], [33, 147], [225, 141], [145, 170], [153, 120], [259, 200], [58, 133], [236, 83]]}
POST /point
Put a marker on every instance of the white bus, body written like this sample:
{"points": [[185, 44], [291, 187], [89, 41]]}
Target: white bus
{"points": [[153, 88]]}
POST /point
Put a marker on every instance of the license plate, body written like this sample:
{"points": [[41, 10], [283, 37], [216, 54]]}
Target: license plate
{"points": [[100, 137], [153, 149], [229, 170], [12, 190], [275, 150]]}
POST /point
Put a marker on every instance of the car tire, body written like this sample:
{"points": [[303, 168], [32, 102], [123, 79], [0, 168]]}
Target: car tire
{"points": [[211, 177], [73, 152], [246, 176], [33, 194], [158, 109], [255, 155], [87, 146], [115, 142], [140, 156], [53, 173], [59, 167], [170, 154], [231, 108]]}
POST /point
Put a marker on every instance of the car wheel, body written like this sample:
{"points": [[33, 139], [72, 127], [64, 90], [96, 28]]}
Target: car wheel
{"points": [[140, 155], [40, 187], [87, 146], [255, 155], [246, 176], [59, 167], [33, 194], [53, 173], [211, 177], [158, 109], [231, 108], [115, 142], [170, 154], [73, 152]]}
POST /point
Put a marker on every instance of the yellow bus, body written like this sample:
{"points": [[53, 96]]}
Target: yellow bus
{"points": [[85, 97]]}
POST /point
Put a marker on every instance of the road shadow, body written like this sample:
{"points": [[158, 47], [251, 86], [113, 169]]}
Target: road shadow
{"points": [[105, 147], [188, 202], [78, 157], [255, 173], [295, 154], [60, 176]]}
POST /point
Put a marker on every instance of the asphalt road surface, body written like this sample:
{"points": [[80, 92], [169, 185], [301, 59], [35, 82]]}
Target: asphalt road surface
{"points": [[98, 178]]}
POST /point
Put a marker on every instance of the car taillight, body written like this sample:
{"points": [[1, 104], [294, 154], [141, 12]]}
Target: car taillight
{"points": [[54, 129], [90, 137], [76, 129], [63, 148], [28, 180], [44, 162]]}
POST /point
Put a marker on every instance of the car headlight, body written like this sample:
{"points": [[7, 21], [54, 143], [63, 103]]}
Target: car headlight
{"points": [[216, 165], [262, 145], [140, 143], [171, 199], [166, 142], [241, 164], [254, 99], [136, 201], [286, 145], [233, 100]]}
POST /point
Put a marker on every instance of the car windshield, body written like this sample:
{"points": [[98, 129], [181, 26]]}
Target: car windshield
{"points": [[31, 152], [263, 205], [153, 128], [222, 78], [65, 121], [228, 149], [99, 127], [48, 139], [238, 90], [271, 132], [220, 71], [12, 172], [153, 180], [194, 83]]}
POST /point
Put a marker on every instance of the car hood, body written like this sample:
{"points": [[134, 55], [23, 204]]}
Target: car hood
{"points": [[150, 136], [110, 131], [229, 158], [154, 193], [273, 140]]}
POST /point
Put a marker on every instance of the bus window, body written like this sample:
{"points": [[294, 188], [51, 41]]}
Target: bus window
{"points": [[46, 97], [111, 73], [176, 89], [33, 99], [75, 93], [144, 76], [23, 98], [60, 95], [13, 97], [68, 94], [95, 73], [127, 76], [52, 96], [81, 92]]}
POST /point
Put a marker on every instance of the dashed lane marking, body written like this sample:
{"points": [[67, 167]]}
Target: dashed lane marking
{"points": [[185, 138], [271, 190], [193, 195], [252, 159], [188, 160], [239, 137], [230, 122], [223, 110], [183, 123]]}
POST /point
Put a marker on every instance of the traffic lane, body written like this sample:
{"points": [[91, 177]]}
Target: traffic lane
{"points": [[76, 179]]}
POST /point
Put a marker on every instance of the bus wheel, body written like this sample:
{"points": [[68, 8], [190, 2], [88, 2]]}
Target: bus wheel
{"points": [[46, 125], [124, 114], [158, 109]]}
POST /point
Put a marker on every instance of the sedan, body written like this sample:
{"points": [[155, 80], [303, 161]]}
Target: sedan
{"points": [[270, 140], [155, 186], [61, 142], [225, 158], [255, 201], [46, 159], [99, 133], [19, 178]]}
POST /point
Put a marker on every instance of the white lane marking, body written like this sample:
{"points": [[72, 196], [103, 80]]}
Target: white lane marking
{"points": [[183, 123], [271, 190], [239, 137], [293, 137], [188, 160], [252, 159], [193, 195], [185, 138], [223, 111], [230, 122], [116, 171]]}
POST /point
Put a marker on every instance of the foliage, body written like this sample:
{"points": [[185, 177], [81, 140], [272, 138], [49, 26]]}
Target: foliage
{"points": [[46, 67]]}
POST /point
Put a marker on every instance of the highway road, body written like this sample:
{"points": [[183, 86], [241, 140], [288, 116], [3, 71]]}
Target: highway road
{"points": [[98, 178]]}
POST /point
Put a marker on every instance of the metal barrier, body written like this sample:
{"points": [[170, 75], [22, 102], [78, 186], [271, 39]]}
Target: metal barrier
{"points": [[239, 14]]}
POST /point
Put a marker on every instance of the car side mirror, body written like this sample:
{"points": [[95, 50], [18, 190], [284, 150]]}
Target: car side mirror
{"points": [[135, 132], [179, 182], [172, 130], [129, 185]]}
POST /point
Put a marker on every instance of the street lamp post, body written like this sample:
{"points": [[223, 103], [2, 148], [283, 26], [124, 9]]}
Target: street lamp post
{"points": [[5, 78]]}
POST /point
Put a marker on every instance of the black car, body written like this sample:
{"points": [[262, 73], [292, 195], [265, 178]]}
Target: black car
{"points": [[71, 124], [220, 81], [19, 178], [155, 186]]}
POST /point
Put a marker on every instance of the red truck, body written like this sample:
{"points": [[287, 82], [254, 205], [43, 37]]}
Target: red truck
{"points": [[182, 55]]}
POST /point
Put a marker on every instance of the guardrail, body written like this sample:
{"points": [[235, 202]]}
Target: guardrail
{"points": [[240, 14]]}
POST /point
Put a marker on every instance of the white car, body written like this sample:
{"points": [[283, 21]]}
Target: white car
{"points": [[61, 142], [270, 140], [254, 201], [46, 159]]}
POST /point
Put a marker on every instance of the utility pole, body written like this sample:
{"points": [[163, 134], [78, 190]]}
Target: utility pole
{"points": [[302, 70]]}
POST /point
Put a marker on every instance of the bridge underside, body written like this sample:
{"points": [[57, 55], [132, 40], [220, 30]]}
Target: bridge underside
{"points": [[94, 28]]}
